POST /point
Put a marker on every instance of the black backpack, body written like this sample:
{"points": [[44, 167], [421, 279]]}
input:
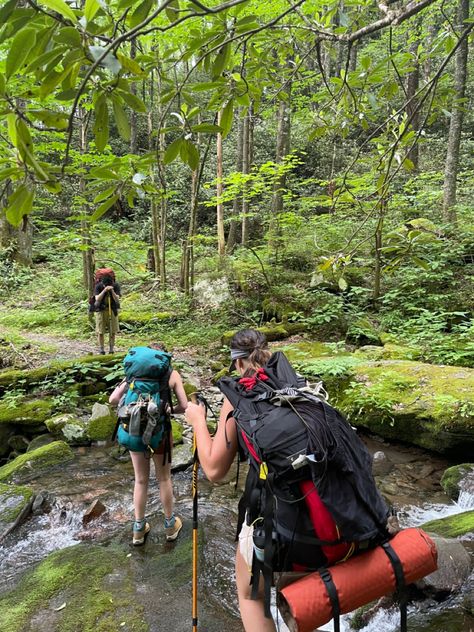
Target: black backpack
{"points": [[299, 447]]}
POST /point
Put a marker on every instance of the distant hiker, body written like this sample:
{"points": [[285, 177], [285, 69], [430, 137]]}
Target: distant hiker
{"points": [[105, 305], [304, 458], [144, 401]]}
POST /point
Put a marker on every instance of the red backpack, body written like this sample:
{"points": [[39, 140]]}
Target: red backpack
{"points": [[99, 275]]}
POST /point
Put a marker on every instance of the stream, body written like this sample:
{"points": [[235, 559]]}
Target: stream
{"points": [[410, 482]]}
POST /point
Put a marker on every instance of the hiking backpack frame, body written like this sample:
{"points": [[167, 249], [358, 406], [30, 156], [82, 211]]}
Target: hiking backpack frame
{"points": [[310, 494]]}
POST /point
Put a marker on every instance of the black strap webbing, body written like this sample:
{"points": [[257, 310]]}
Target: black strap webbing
{"points": [[401, 583], [333, 596]]}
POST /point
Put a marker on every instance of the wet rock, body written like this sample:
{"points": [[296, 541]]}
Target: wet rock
{"points": [[94, 511], [381, 464], [19, 443], [32, 464], [69, 428], [452, 526], [41, 503], [39, 441], [119, 454], [29, 412], [13, 500], [454, 567], [102, 423], [5, 432], [453, 477], [182, 457]]}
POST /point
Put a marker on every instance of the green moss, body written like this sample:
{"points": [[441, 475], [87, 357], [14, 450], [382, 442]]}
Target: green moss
{"points": [[452, 526], [453, 476], [136, 318], [219, 374], [82, 577], [32, 463], [13, 499], [177, 432], [189, 388], [271, 331], [101, 429], [27, 412]]}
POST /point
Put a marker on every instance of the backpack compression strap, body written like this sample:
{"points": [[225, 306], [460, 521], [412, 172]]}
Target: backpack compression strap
{"points": [[400, 582], [333, 596]]}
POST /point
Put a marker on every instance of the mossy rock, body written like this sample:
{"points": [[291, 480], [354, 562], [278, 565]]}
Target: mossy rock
{"points": [[69, 428], [85, 578], [135, 318], [271, 331], [388, 352], [39, 441], [29, 412], [102, 423], [13, 499], [453, 526], [177, 432], [32, 464], [453, 476], [189, 388], [219, 374], [426, 405], [362, 331]]}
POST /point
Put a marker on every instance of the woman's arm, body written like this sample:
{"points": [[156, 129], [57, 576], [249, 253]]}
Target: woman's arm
{"points": [[118, 393], [176, 384], [217, 453]]}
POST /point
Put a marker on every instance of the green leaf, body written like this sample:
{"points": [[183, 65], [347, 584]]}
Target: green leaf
{"points": [[140, 13], [7, 10], [101, 124], [172, 151], [61, 7], [104, 173], [24, 141], [421, 263], [121, 119], [130, 64], [20, 203], [50, 119], [50, 57], [227, 117], [103, 208], [90, 9], [172, 10], [103, 195], [133, 101], [68, 35], [189, 154], [22, 44], [207, 128], [342, 284], [221, 61]]}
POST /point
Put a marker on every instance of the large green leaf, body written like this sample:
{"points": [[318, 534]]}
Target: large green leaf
{"points": [[207, 128], [101, 123], [69, 35], [61, 7], [50, 58], [172, 150], [123, 124], [103, 208], [22, 44], [227, 117], [90, 9], [133, 101], [104, 195], [140, 13], [50, 119], [221, 61], [7, 10], [20, 203], [190, 154], [172, 10]]}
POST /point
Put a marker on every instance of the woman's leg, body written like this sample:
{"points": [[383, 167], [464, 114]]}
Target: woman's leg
{"points": [[141, 467], [163, 474], [251, 610]]}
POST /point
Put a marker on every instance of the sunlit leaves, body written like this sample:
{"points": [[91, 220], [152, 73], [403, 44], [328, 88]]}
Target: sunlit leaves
{"points": [[227, 117], [140, 13], [20, 203], [61, 7], [123, 124], [103, 208], [172, 151], [22, 44], [90, 9]]}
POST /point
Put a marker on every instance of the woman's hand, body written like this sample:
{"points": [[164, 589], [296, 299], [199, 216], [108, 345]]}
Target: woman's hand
{"points": [[195, 413]]}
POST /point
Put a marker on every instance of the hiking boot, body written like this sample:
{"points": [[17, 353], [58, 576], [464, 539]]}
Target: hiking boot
{"points": [[141, 530], [101, 351], [172, 528]]}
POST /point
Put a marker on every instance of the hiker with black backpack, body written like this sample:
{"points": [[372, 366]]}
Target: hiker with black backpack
{"points": [[310, 498], [105, 303], [144, 400]]}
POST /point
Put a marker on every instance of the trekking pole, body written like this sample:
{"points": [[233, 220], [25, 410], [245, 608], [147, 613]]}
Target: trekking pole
{"points": [[195, 399], [110, 317]]}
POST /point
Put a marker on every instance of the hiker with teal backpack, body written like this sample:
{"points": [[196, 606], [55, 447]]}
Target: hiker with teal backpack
{"points": [[310, 499], [144, 401]]}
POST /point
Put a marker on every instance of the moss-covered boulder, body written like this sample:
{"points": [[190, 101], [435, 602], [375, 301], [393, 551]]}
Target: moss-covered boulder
{"points": [[271, 331], [102, 423], [140, 319], [32, 464], [177, 429], [39, 441], [362, 331], [13, 500], [389, 351], [453, 526], [69, 428], [33, 412], [453, 476]]}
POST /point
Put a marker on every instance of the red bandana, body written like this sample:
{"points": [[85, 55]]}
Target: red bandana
{"points": [[249, 382]]}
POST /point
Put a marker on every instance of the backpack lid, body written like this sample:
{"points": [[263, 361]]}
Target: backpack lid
{"points": [[104, 272], [147, 364]]}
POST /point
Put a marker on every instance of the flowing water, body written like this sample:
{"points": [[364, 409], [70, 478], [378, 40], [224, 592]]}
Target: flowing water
{"points": [[412, 485]]}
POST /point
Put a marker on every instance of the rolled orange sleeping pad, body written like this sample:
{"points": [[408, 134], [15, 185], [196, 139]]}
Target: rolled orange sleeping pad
{"points": [[305, 604]]}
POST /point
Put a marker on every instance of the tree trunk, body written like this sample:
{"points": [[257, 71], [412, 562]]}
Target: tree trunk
{"points": [[88, 255], [133, 114], [413, 82], [245, 171], [219, 191], [187, 269], [18, 242], [457, 115], [282, 149]]}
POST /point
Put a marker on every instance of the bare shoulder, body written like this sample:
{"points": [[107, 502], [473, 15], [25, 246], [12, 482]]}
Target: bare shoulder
{"points": [[175, 378]]}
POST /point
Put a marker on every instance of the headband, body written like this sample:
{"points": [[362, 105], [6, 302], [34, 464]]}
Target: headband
{"points": [[236, 354]]}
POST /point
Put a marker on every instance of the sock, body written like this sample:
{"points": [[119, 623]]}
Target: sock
{"points": [[169, 522], [139, 525]]}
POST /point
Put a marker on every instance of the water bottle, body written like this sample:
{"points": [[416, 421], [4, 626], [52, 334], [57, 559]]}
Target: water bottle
{"points": [[259, 543]]}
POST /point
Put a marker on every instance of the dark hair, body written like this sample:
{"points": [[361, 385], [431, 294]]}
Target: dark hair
{"points": [[256, 344], [107, 280], [158, 346]]}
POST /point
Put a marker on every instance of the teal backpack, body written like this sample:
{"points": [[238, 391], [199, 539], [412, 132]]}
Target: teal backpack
{"points": [[144, 421]]}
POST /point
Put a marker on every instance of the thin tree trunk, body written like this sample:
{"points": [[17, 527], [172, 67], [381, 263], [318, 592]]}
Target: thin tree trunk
{"points": [[237, 204], [413, 82], [457, 115], [187, 274], [133, 114], [245, 171], [378, 251], [88, 258], [219, 191]]}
